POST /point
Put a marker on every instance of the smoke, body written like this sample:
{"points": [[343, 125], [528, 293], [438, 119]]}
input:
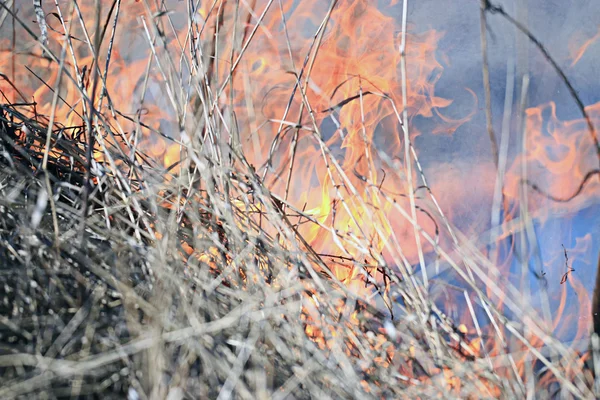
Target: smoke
{"points": [[466, 155], [458, 162]]}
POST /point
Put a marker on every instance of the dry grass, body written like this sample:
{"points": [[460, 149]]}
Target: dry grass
{"points": [[196, 282]]}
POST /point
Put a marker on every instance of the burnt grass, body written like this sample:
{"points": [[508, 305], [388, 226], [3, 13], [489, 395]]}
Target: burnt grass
{"points": [[120, 278], [91, 308], [96, 307], [54, 301]]}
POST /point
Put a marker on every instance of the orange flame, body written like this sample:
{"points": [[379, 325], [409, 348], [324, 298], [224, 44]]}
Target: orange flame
{"points": [[349, 153]]}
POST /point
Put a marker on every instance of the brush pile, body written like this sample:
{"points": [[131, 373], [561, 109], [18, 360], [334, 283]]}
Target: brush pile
{"points": [[123, 278]]}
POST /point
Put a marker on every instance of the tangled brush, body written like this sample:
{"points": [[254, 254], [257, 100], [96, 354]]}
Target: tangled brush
{"points": [[123, 277]]}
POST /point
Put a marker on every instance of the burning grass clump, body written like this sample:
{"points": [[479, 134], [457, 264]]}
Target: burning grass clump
{"points": [[131, 270], [195, 290], [191, 291]]}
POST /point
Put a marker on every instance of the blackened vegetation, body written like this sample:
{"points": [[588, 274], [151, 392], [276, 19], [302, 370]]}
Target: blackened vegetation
{"points": [[58, 301], [118, 282], [569, 269], [124, 313]]}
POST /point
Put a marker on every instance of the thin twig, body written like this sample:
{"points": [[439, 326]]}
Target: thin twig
{"points": [[486, 81]]}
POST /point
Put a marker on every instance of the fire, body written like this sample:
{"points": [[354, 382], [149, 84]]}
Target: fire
{"points": [[358, 60], [342, 161], [559, 154], [578, 54]]}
